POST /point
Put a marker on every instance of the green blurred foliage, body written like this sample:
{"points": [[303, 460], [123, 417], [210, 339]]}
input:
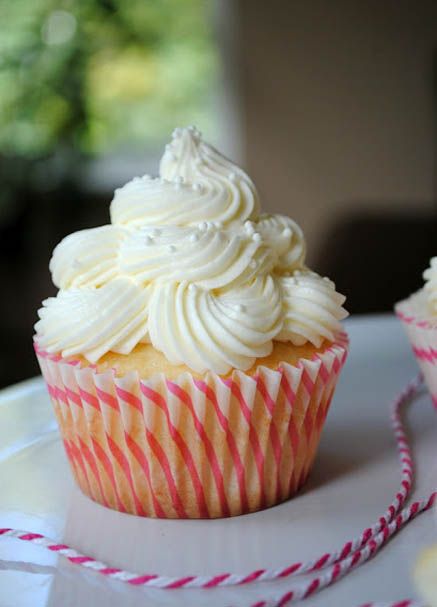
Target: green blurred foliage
{"points": [[95, 76]]}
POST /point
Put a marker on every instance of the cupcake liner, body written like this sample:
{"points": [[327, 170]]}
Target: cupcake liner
{"points": [[189, 447], [422, 334]]}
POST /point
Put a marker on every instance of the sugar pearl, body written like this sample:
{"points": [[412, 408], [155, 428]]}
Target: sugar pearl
{"points": [[248, 226]]}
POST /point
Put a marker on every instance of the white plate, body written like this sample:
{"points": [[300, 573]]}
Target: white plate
{"points": [[354, 479]]}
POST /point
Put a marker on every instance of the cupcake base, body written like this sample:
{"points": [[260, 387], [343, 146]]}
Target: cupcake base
{"points": [[193, 447], [422, 333]]}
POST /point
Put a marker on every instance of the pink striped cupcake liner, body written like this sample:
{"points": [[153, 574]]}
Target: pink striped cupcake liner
{"points": [[189, 447], [422, 333]]}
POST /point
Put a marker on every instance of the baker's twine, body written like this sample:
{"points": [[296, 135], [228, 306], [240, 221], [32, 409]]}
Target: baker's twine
{"points": [[332, 565], [405, 603]]}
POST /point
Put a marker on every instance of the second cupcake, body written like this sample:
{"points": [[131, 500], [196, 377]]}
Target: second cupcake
{"points": [[418, 314]]}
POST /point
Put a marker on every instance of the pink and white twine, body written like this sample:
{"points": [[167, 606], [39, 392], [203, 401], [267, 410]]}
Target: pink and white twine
{"points": [[329, 567]]}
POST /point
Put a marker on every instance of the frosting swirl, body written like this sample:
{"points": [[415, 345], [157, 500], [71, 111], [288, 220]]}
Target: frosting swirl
{"points": [[207, 331], [285, 237], [206, 256], [312, 309], [93, 321], [197, 184], [430, 288], [189, 264], [88, 258]]}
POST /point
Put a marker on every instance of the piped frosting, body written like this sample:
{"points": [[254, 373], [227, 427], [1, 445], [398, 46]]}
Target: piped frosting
{"points": [[189, 264], [430, 288]]}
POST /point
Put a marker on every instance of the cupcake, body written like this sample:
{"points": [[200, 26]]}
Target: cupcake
{"points": [[418, 314], [190, 354]]}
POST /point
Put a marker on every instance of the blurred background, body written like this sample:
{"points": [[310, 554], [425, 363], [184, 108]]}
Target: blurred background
{"points": [[330, 106]]}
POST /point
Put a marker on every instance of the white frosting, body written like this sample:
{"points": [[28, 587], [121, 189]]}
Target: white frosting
{"points": [[88, 258], [312, 308], [286, 238], [92, 321], [190, 265], [197, 184], [206, 256], [430, 288], [193, 326]]}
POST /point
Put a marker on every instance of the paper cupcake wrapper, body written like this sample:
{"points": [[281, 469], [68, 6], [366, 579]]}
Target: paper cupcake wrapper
{"points": [[192, 448], [423, 337]]}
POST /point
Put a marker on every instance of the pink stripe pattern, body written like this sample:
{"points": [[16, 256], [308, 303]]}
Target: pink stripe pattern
{"points": [[333, 566], [404, 603], [422, 334], [192, 448], [176, 436]]}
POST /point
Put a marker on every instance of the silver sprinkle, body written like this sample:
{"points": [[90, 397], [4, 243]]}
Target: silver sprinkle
{"points": [[248, 226]]}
